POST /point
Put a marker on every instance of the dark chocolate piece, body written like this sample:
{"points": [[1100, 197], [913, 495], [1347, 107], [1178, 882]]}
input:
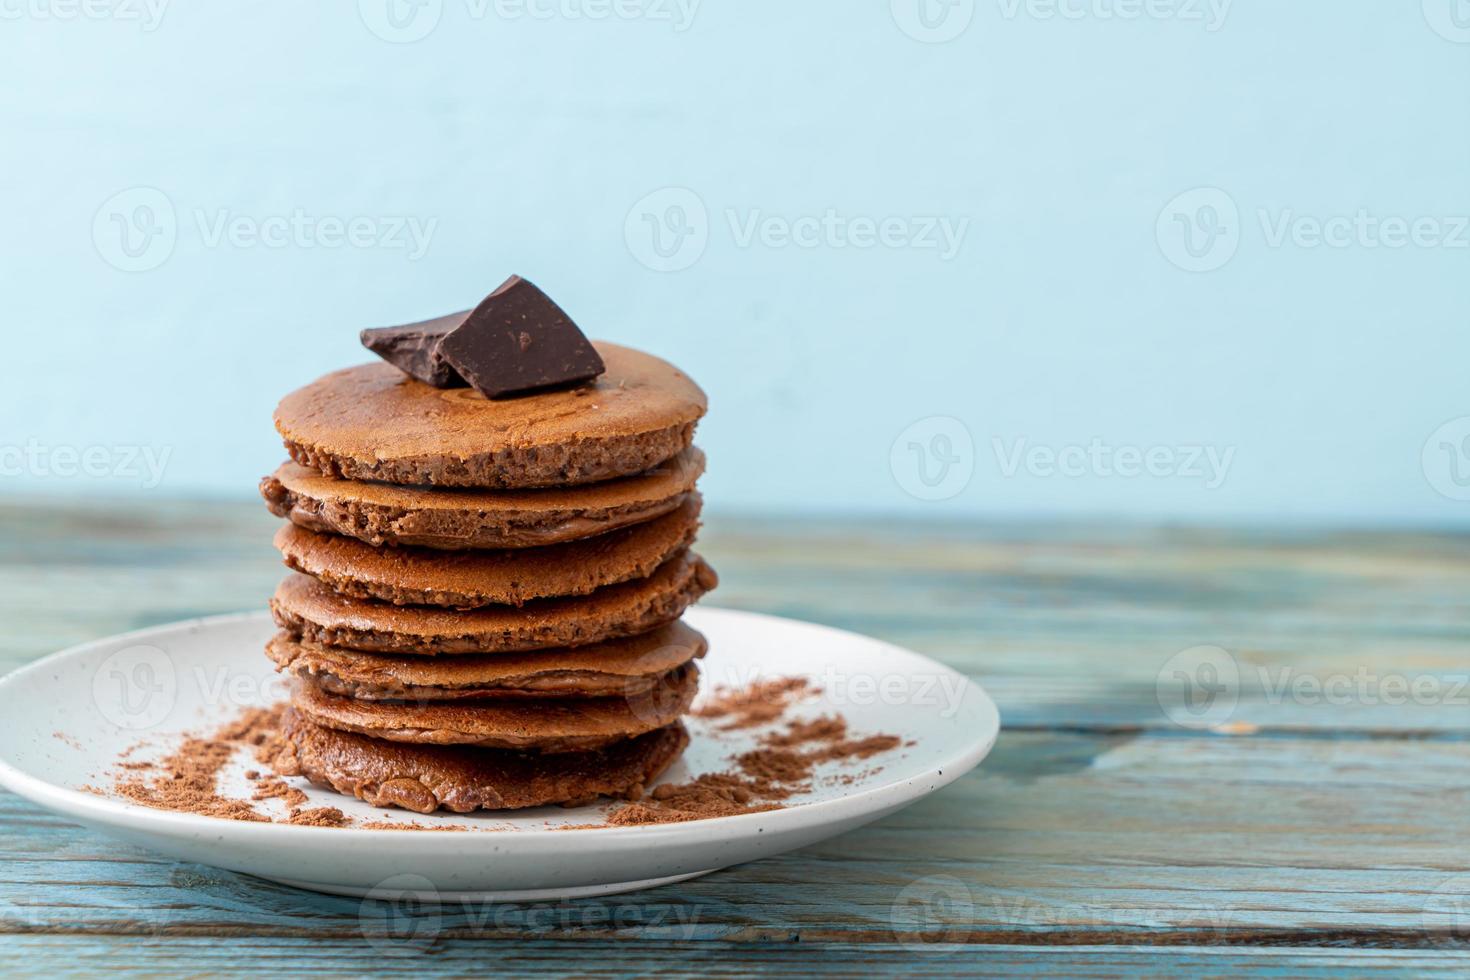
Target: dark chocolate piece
{"points": [[518, 340], [414, 349]]}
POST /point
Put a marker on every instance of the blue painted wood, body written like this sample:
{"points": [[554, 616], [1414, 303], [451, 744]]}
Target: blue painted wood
{"points": [[1097, 821], [153, 956]]}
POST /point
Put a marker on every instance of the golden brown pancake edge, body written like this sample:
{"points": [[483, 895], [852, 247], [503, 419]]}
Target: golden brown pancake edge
{"points": [[626, 666], [453, 519], [471, 579], [310, 610], [546, 726], [462, 779], [373, 422]]}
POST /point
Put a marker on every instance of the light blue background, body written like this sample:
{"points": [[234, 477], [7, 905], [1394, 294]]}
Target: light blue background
{"points": [[528, 141]]}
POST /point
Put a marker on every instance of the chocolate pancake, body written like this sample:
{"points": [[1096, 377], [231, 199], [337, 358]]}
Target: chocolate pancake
{"points": [[373, 422], [548, 725], [470, 579], [628, 667], [424, 778], [381, 513], [310, 610]]}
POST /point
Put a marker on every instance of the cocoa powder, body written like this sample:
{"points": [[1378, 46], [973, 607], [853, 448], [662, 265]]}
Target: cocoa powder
{"points": [[269, 787], [186, 780], [758, 703], [758, 780], [783, 764], [854, 748], [715, 794], [321, 816], [411, 825], [824, 729]]}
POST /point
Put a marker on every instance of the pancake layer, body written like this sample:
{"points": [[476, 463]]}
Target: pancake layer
{"points": [[381, 513], [372, 422], [547, 725], [470, 579], [310, 610], [424, 778], [628, 667]]}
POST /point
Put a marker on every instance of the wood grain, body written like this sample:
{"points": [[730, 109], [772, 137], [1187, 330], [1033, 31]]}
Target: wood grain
{"points": [[1308, 835], [169, 956]]}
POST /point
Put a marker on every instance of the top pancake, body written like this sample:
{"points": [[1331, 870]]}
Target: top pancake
{"points": [[452, 519], [373, 422]]}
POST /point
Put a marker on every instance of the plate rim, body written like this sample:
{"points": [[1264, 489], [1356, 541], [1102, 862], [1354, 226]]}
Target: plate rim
{"points": [[108, 811]]}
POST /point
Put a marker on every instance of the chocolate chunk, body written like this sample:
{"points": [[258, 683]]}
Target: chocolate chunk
{"points": [[414, 349], [518, 340]]}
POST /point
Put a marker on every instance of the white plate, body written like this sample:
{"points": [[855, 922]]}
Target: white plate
{"points": [[68, 716]]}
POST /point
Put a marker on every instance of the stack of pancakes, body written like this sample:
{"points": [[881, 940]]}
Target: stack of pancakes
{"points": [[484, 606]]}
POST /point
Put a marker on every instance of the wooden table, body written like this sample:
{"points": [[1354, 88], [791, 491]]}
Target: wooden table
{"points": [[1319, 827]]}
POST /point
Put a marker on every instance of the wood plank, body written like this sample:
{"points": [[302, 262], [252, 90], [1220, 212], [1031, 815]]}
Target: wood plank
{"points": [[155, 956], [1097, 821], [1075, 837], [1074, 628], [1068, 628]]}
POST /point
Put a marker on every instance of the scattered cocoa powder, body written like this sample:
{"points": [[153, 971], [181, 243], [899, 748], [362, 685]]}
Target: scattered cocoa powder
{"points": [[758, 781], [186, 780], [774, 774], [825, 728], [715, 794], [320, 816], [259, 728], [268, 787], [783, 764], [411, 825], [854, 748], [758, 703]]}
